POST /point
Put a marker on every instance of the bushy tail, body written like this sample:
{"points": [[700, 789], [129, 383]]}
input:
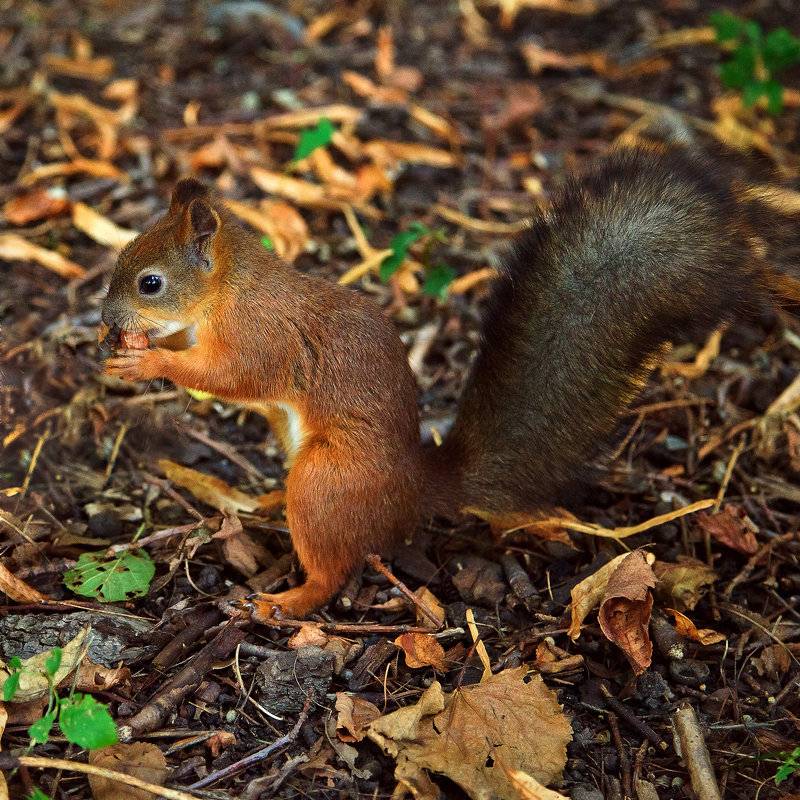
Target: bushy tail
{"points": [[646, 247]]}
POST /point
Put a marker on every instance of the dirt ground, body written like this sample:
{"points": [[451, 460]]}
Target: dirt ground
{"points": [[461, 116]]}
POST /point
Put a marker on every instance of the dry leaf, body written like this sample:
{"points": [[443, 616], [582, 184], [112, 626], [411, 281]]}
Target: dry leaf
{"points": [[421, 650], [685, 627], [588, 594], [684, 584], [624, 614], [353, 715], [211, 490], [18, 590], [731, 526], [774, 662], [40, 203], [529, 788], [33, 682], [15, 248], [139, 759], [238, 549], [308, 635], [97, 678], [507, 522], [100, 228], [427, 597], [465, 734]]}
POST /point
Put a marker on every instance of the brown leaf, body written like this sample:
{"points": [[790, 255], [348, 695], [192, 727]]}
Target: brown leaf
{"points": [[427, 597], [17, 590], [466, 734], [732, 527], [211, 490], [100, 228], [773, 662], [539, 523], [624, 614], [97, 678], [421, 650], [40, 203], [528, 788], [685, 627], [139, 759], [219, 742], [684, 584], [239, 550], [307, 636], [354, 714], [15, 248], [588, 594]]}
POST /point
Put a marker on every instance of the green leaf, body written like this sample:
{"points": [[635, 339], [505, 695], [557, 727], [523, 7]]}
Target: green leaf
{"points": [[774, 94], [752, 92], [15, 662], [40, 730], [10, 686], [780, 50], [314, 138], [728, 26], [399, 246], [267, 242], [437, 280], [740, 70], [87, 723], [126, 576], [53, 661], [38, 794]]}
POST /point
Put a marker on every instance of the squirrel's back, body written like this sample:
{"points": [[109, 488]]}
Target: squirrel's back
{"points": [[646, 247]]}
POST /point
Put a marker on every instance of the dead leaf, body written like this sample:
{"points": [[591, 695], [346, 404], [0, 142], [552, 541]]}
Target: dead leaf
{"points": [[503, 523], [238, 549], [33, 682], [624, 614], [732, 527], [774, 662], [465, 734], [307, 636], [685, 627], [210, 489], [100, 228], [588, 594], [683, 584], [427, 597], [421, 650], [18, 590], [139, 759], [385, 152], [39, 203], [15, 248], [354, 714], [219, 742], [528, 788], [97, 678]]}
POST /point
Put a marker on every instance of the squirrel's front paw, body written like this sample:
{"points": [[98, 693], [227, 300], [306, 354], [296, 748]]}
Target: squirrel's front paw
{"points": [[133, 365]]}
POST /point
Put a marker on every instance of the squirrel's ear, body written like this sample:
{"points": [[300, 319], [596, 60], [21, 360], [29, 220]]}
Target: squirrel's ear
{"points": [[203, 225], [184, 192]]}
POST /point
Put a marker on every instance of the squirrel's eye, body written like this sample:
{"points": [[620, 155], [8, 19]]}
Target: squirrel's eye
{"points": [[150, 284]]}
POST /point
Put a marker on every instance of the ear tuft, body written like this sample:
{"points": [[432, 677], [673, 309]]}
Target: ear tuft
{"points": [[185, 191]]}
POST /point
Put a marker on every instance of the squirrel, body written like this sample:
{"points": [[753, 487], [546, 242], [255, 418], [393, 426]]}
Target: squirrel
{"points": [[648, 245]]}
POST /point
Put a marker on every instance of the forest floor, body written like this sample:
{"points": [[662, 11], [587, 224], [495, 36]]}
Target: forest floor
{"points": [[461, 117]]}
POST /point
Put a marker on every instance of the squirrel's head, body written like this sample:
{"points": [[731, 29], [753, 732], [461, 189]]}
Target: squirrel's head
{"points": [[163, 278]]}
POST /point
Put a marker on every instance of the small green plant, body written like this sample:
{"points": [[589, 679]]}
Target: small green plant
{"points": [[313, 139], [756, 58], [437, 276], [110, 581], [789, 767], [37, 794], [82, 720]]}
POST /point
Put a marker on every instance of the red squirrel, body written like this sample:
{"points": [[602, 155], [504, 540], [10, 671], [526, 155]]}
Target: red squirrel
{"points": [[646, 246]]}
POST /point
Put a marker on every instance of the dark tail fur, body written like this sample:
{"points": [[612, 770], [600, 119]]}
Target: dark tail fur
{"points": [[645, 248]]}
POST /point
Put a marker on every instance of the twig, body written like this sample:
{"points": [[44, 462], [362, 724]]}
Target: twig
{"points": [[727, 477], [624, 761], [642, 728], [9, 762], [519, 581], [374, 561], [695, 753], [115, 452], [166, 533], [259, 755]]}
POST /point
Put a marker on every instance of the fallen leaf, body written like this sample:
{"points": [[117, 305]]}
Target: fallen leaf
{"points": [[307, 636], [97, 678], [683, 584], [732, 527], [40, 203], [588, 594], [18, 590], [238, 549], [427, 597], [774, 661], [100, 228], [211, 490], [219, 742], [685, 627], [15, 248], [528, 788], [624, 614], [504, 523], [421, 650], [464, 735], [354, 714], [33, 681], [139, 759]]}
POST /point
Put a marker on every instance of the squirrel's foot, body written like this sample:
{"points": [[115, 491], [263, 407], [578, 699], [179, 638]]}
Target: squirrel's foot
{"points": [[133, 365], [294, 603]]}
